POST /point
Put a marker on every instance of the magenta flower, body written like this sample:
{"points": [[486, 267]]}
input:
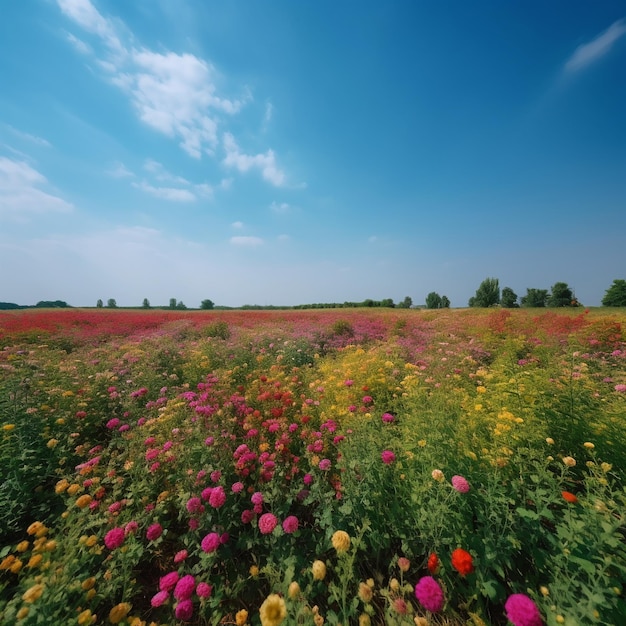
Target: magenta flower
{"points": [[114, 538], [168, 582], [257, 498], [247, 515], [204, 590], [325, 464], [307, 479], [184, 610], [267, 523], [131, 527], [217, 497], [237, 487], [211, 542], [154, 532], [290, 524], [185, 587], [180, 556], [429, 594], [387, 418], [387, 457], [460, 484], [159, 598], [194, 505], [522, 611]]}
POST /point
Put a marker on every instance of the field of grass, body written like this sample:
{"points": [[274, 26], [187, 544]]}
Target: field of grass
{"points": [[313, 467]]}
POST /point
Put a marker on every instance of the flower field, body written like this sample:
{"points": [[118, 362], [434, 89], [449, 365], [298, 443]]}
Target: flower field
{"points": [[297, 467]]}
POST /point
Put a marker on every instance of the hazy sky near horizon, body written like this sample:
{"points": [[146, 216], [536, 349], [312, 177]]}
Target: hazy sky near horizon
{"points": [[295, 152]]}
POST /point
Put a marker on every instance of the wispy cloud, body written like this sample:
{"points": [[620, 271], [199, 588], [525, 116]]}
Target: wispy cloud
{"points": [[266, 163], [119, 170], [21, 194], [173, 194], [34, 139], [280, 207], [237, 225], [588, 53], [246, 241], [79, 44], [160, 173]]}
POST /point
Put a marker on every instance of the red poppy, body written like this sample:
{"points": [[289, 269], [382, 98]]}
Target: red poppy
{"points": [[433, 563], [569, 497], [462, 562]]}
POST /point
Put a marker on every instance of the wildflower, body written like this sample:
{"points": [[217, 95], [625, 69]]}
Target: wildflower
{"points": [[37, 529], [34, 560], [606, 467], [429, 594], [569, 461], [294, 590], [273, 610], [462, 562], [325, 464], [433, 563], [185, 587], [211, 542], [131, 527], [194, 505], [33, 594], [256, 498], [460, 484], [399, 606], [404, 564], [387, 418], [159, 598], [438, 475], [204, 590], [180, 556], [237, 487], [154, 532], [119, 612], [184, 610], [365, 592], [319, 570], [364, 620], [88, 583], [267, 523], [83, 501], [217, 497], [85, 617], [241, 617], [341, 541], [550, 441], [620, 388], [387, 457], [589, 445], [114, 538], [254, 571], [569, 497], [290, 524], [522, 611], [22, 546]]}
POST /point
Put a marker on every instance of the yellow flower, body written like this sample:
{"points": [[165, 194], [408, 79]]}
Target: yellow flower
{"points": [[88, 583], [37, 529], [254, 571], [606, 467], [241, 617], [550, 441], [420, 621], [273, 610], [8, 427], [33, 594], [22, 546], [319, 570], [569, 461], [91, 541], [544, 590], [341, 541], [364, 620], [34, 560], [481, 389], [85, 617], [61, 486], [294, 590], [394, 585], [119, 612], [90, 594], [83, 501], [22, 613], [73, 489], [438, 475], [16, 566], [365, 592], [50, 545], [52, 443], [588, 445]]}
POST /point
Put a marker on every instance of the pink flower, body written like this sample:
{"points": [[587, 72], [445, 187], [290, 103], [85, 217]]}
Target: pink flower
{"points": [[429, 594], [180, 556], [113, 423], [237, 487], [168, 582], [114, 538], [290, 524], [184, 610], [307, 479], [131, 527], [460, 484], [185, 587], [267, 523], [215, 476], [387, 418], [620, 388], [522, 611], [325, 464], [194, 505], [217, 497], [209, 441], [211, 542], [257, 498], [367, 399], [154, 532], [159, 598], [247, 516], [387, 457], [204, 590]]}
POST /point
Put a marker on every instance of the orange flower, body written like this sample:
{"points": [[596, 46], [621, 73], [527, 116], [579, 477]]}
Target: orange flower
{"points": [[462, 562], [433, 563], [569, 497]]}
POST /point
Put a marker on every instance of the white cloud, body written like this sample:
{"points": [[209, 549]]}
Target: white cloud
{"points": [[20, 192], [246, 241], [237, 225], [226, 183], [243, 162], [79, 44], [119, 170], [173, 194], [40, 141], [280, 207], [160, 173], [589, 52]]}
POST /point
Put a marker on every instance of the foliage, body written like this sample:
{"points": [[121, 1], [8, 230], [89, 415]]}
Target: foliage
{"points": [[487, 294], [207, 305], [560, 295], [111, 303], [99, 304], [535, 298], [407, 303], [145, 304], [433, 300], [323, 461], [616, 294], [509, 298]]}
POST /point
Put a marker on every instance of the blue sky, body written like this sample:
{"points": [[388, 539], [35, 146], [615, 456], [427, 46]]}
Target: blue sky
{"points": [[294, 152]]}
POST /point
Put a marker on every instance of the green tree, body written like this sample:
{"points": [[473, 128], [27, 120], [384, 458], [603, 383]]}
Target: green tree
{"points": [[433, 300], [535, 298], [146, 303], [172, 303], [99, 304], [487, 294], [207, 305], [111, 303], [616, 294], [388, 303], [445, 302], [509, 298], [407, 303], [181, 305], [560, 295]]}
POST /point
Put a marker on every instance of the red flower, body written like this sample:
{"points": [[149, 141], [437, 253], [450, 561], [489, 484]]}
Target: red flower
{"points": [[433, 563], [569, 497], [462, 562]]}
